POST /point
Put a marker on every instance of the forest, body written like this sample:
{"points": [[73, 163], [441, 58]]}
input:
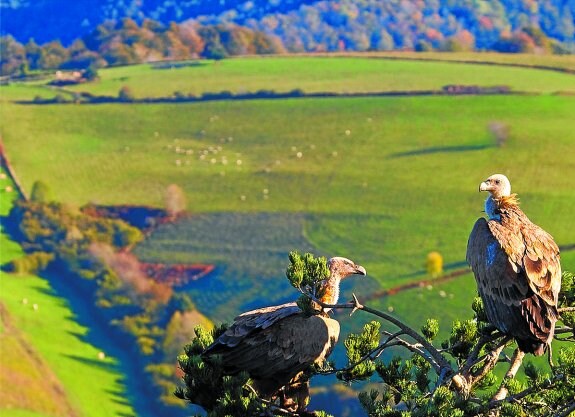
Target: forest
{"points": [[131, 35]]}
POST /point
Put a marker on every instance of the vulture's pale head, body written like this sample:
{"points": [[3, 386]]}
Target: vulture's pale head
{"points": [[342, 267], [339, 268], [498, 186]]}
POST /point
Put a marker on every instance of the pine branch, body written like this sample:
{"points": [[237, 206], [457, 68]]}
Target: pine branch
{"points": [[537, 388], [466, 377], [371, 355]]}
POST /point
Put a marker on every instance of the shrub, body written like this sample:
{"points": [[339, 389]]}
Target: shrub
{"points": [[499, 131], [434, 264], [40, 192], [126, 94], [30, 264]]}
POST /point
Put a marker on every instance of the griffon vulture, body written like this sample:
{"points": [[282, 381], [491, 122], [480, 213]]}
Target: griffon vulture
{"points": [[516, 266], [275, 345]]}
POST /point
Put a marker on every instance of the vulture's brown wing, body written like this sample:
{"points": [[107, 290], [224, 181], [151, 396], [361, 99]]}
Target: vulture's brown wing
{"points": [[532, 251], [513, 303], [281, 351], [500, 287], [251, 321]]}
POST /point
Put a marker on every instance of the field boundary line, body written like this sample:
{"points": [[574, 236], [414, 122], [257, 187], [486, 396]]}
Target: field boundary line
{"points": [[430, 281], [411, 58], [4, 162]]}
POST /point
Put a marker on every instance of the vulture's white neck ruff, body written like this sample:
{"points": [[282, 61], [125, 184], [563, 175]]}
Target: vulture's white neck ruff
{"points": [[331, 295]]}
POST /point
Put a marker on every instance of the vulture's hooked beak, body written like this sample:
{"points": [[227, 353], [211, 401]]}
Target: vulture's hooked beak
{"points": [[360, 270], [484, 186]]}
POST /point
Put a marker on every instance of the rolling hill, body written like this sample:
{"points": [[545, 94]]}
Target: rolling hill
{"points": [[381, 180], [305, 25]]}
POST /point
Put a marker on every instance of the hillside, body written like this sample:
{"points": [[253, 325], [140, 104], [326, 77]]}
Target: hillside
{"points": [[313, 26], [381, 180], [39, 367], [129, 153]]}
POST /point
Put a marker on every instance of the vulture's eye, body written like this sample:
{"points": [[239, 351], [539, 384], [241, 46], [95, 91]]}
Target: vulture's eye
{"points": [[496, 181]]}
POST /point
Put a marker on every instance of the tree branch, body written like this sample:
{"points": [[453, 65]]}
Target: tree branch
{"points": [[494, 403], [516, 361], [567, 410], [465, 379], [439, 362], [416, 348], [565, 329]]}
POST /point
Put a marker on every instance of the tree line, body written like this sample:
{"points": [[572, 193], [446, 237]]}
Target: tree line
{"points": [[448, 25], [342, 25], [127, 42]]}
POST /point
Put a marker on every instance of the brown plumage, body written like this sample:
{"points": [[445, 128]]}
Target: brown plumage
{"points": [[516, 266], [276, 344]]}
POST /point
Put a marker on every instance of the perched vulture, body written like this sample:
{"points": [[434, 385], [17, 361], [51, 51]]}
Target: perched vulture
{"points": [[517, 269], [275, 345]]}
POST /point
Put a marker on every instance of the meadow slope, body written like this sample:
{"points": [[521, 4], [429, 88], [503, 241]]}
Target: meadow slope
{"points": [[44, 351]]}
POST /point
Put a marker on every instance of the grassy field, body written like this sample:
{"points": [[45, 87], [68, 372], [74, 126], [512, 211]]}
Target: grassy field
{"points": [[46, 367], [386, 180], [337, 74], [559, 62]]}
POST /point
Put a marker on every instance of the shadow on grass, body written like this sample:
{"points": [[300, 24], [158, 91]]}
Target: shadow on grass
{"points": [[441, 149], [175, 65], [446, 267], [118, 398], [134, 381], [111, 367]]}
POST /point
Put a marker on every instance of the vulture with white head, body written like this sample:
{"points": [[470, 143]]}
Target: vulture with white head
{"points": [[516, 266], [275, 345]]}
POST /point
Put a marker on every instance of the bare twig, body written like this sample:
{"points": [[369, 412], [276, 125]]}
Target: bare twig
{"points": [[466, 378], [417, 349], [473, 359], [492, 358], [564, 309]]}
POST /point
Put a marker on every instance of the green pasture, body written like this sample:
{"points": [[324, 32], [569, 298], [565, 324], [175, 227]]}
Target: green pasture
{"points": [[386, 180], [27, 91], [559, 62], [93, 387], [383, 181], [335, 74]]}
